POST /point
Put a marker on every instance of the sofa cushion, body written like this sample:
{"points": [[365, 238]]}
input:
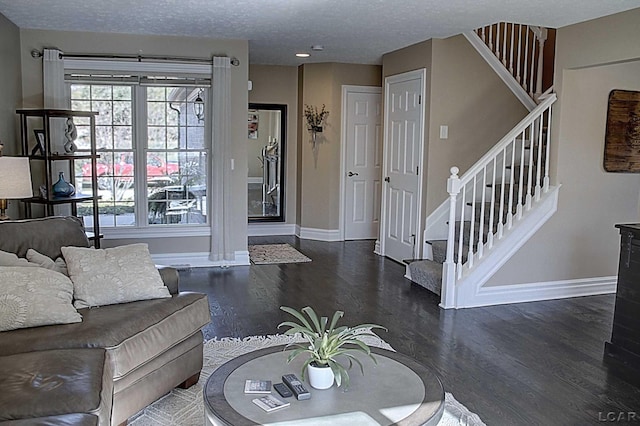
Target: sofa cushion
{"points": [[61, 420], [18, 236], [12, 259], [34, 259], [132, 333], [114, 275], [46, 262], [31, 297], [68, 384]]}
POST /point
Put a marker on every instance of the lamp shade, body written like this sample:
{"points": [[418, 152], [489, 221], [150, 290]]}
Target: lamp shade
{"points": [[15, 178]]}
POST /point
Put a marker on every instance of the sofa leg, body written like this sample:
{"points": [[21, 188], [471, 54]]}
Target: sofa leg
{"points": [[190, 381]]}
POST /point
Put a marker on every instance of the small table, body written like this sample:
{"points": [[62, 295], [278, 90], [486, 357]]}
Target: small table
{"points": [[396, 390]]}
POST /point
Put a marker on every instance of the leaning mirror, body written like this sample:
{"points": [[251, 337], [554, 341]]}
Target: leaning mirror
{"points": [[266, 143]]}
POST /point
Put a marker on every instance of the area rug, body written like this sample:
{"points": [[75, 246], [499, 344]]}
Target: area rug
{"points": [[184, 407], [267, 254]]}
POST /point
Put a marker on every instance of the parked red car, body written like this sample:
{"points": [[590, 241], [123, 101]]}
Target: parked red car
{"points": [[156, 167]]}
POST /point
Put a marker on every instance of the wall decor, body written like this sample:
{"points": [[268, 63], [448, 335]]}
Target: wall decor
{"points": [[39, 146], [622, 137], [253, 124]]}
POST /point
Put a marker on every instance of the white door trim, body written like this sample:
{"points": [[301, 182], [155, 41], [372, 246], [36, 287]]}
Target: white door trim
{"points": [[346, 89], [410, 75]]}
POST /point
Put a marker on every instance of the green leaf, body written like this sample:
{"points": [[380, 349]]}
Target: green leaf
{"points": [[313, 317], [334, 321], [298, 315]]}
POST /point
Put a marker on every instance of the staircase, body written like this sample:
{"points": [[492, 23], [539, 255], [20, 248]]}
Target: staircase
{"points": [[499, 203]]}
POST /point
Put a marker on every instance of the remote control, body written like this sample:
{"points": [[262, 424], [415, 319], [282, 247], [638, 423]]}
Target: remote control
{"points": [[283, 390], [296, 387]]}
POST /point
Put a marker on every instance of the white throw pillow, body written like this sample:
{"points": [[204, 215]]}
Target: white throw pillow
{"points": [[11, 259], [46, 262], [31, 297], [114, 275]]}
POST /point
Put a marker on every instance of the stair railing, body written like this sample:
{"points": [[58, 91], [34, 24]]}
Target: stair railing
{"points": [[520, 48], [495, 192]]}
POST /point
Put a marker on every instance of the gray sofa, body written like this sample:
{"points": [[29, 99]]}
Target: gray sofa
{"points": [[102, 370]]}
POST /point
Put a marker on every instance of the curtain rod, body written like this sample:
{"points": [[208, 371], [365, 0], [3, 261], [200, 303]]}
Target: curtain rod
{"points": [[38, 54]]}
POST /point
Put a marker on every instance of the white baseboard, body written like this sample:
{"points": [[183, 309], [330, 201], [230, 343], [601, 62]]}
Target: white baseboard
{"points": [[267, 229], [199, 260], [549, 290], [318, 234]]}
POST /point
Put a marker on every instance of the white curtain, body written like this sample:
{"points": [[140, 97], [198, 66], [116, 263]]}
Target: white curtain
{"points": [[219, 110], [55, 96]]}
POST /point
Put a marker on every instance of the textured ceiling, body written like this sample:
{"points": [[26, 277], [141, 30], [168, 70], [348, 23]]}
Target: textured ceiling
{"points": [[356, 31]]}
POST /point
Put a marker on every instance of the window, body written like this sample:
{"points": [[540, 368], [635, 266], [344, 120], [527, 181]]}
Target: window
{"points": [[152, 169]]}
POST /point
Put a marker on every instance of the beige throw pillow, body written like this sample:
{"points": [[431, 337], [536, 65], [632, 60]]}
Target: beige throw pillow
{"points": [[46, 262], [31, 297], [11, 259], [114, 275]]}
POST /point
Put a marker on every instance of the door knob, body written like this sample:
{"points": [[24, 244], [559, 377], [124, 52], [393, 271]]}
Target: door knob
{"points": [[387, 179], [352, 174]]}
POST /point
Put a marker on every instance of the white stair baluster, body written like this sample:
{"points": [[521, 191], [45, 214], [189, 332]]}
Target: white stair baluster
{"points": [[547, 148], [518, 76], [521, 174], [511, 49], [526, 58], [480, 250], [530, 169], [461, 231], [502, 185], [493, 204], [472, 227], [504, 44], [511, 184]]}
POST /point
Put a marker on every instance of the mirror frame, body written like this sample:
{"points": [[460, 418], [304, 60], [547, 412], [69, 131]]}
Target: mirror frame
{"points": [[283, 144]]}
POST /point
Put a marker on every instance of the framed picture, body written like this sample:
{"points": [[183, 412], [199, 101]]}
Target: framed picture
{"points": [[622, 136], [39, 146], [253, 125]]}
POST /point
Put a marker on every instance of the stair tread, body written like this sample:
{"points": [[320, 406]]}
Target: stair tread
{"points": [[427, 274]]}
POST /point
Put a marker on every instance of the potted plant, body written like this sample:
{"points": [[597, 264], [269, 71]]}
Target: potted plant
{"points": [[325, 342]]}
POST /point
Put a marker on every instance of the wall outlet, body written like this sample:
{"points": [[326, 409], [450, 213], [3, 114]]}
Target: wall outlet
{"points": [[444, 132]]}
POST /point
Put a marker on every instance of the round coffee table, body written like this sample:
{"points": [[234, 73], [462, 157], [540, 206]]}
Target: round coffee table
{"points": [[397, 390]]}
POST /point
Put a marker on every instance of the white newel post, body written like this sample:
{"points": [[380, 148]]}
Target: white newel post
{"points": [[448, 291]]}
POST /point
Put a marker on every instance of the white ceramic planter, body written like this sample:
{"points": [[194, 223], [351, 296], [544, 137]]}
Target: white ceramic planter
{"points": [[320, 377]]}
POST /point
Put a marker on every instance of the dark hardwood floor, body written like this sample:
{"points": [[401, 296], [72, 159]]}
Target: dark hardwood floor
{"points": [[523, 364]]}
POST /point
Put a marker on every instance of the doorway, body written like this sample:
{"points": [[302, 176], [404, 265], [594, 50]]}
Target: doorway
{"points": [[362, 162], [402, 171]]}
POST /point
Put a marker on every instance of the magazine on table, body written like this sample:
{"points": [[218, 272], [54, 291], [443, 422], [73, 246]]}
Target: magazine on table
{"points": [[270, 403]]}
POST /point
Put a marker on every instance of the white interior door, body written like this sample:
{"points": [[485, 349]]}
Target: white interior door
{"points": [[404, 134], [363, 162]]}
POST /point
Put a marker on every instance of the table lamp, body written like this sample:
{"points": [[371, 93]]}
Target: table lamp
{"points": [[15, 181]]}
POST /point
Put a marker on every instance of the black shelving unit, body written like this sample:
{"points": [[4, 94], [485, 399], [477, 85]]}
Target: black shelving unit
{"points": [[43, 116]]}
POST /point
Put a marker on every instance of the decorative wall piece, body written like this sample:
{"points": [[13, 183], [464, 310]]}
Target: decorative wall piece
{"points": [[315, 119], [253, 124], [70, 134], [622, 137]]}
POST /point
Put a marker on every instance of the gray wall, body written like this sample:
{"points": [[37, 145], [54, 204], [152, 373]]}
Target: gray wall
{"points": [[273, 84], [320, 171]]}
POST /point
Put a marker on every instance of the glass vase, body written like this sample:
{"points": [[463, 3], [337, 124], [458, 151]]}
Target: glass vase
{"points": [[62, 188]]}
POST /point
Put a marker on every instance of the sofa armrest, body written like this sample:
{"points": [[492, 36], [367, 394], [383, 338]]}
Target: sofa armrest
{"points": [[170, 277]]}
